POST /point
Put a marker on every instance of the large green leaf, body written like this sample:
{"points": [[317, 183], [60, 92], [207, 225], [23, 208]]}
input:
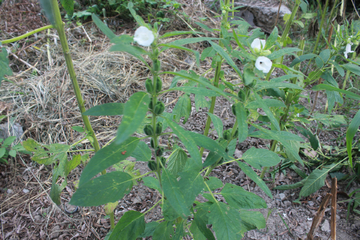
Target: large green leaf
{"points": [[142, 152], [102, 27], [302, 58], [4, 64], [46, 154], [251, 220], [104, 189], [152, 182], [149, 229], [176, 161], [163, 231], [332, 88], [198, 91], [68, 5], [241, 118], [107, 157], [173, 193], [225, 220], [177, 33], [218, 125], [269, 102], [352, 68], [208, 143], [316, 180], [134, 113], [226, 56], [187, 140], [239, 198], [272, 38], [268, 112], [214, 183], [282, 52], [182, 108], [48, 8], [350, 133], [191, 184], [107, 109], [133, 50], [267, 85], [253, 176], [129, 227], [201, 220], [259, 158]]}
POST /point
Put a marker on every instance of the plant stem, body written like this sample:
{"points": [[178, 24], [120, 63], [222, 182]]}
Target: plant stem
{"points": [[112, 220], [15, 39]]}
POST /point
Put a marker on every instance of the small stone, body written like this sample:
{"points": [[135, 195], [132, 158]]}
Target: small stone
{"points": [[287, 203], [325, 226], [282, 196], [311, 203], [9, 191], [26, 190]]}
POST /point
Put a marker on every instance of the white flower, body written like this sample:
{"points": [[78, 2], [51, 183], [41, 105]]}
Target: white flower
{"points": [[348, 50], [258, 44], [143, 36], [263, 64]]}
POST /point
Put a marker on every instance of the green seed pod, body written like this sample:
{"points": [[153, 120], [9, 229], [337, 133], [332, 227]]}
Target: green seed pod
{"points": [[242, 94], [227, 134], [151, 104], [152, 144], [233, 109], [152, 165], [148, 130], [159, 151], [158, 85], [163, 161], [159, 108], [158, 129], [149, 86], [157, 65]]}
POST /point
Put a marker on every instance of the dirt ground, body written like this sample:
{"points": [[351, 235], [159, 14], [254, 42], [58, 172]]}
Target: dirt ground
{"points": [[42, 103]]}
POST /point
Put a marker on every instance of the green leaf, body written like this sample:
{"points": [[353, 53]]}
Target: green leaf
{"points": [[204, 26], [142, 152], [12, 153], [302, 58], [269, 102], [207, 52], [68, 5], [272, 38], [182, 108], [196, 53], [282, 52], [45, 154], [350, 133], [163, 231], [72, 164], [138, 19], [152, 182], [198, 91], [241, 118], [208, 143], [267, 85], [214, 183], [48, 7], [176, 161], [291, 186], [134, 113], [259, 158], [103, 27], [133, 50], [268, 112], [177, 33], [107, 157], [168, 211], [239, 198], [253, 176], [4, 64], [173, 193], [201, 102], [8, 141], [332, 88], [191, 40], [129, 227], [352, 68], [316, 180], [196, 233], [104, 189], [228, 59], [218, 125], [225, 220], [149, 229], [187, 140], [107, 109], [201, 220], [191, 184], [78, 129], [338, 68], [251, 220]]}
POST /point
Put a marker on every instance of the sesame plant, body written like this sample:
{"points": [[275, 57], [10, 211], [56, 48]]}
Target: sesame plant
{"points": [[264, 106]]}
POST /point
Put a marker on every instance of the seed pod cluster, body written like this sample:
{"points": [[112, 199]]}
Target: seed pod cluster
{"points": [[149, 86], [152, 165], [158, 129], [159, 151], [159, 108], [148, 130], [158, 85]]}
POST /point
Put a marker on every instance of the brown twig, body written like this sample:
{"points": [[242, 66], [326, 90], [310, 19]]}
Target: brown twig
{"points": [[333, 208], [278, 13], [318, 217]]}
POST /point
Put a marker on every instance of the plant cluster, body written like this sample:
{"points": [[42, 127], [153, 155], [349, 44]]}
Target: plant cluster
{"points": [[180, 172]]}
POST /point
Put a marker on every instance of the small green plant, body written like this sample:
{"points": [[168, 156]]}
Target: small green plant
{"points": [[7, 150]]}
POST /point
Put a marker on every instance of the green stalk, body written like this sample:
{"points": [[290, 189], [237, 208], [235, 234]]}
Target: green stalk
{"points": [[60, 29], [15, 39], [288, 24]]}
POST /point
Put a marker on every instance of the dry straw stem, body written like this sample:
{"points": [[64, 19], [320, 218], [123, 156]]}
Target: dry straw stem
{"points": [[318, 217], [333, 208]]}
